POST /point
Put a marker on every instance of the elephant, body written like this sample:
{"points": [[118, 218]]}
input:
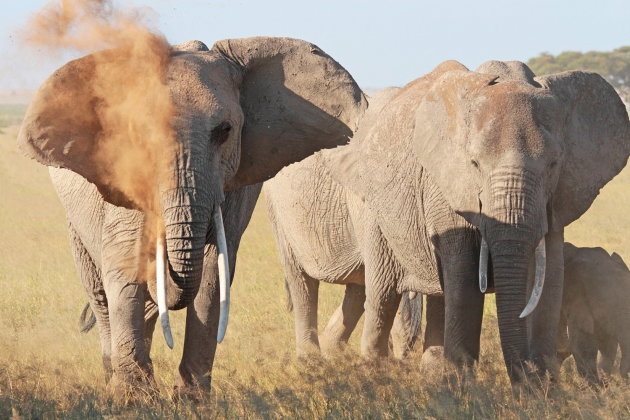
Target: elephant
{"points": [[243, 109], [461, 184], [343, 321], [595, 311]]}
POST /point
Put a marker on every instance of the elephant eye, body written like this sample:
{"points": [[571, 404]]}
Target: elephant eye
{"points": [[553, 164], [221, 132], [475, 163]]}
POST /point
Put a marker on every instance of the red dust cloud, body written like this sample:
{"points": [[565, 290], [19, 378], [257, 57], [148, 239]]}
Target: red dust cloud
{"points": [[134, 107]]}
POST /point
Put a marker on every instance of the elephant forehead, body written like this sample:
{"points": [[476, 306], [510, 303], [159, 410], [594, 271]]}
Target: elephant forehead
{"points": [[513, 117], [202, 81]]}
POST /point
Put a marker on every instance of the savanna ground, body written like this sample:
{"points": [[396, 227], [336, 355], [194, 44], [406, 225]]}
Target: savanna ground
{"points": [[48, 369]]}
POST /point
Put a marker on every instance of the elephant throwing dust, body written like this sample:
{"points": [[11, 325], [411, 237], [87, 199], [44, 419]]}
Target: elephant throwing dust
{"points": [[242, 110]]}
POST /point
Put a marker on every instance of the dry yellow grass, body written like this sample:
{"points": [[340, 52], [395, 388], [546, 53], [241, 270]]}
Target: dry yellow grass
{"points": [[50, 370]]}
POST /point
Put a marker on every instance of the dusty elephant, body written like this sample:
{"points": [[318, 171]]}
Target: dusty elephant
{"points": [[595, 311], [243, 110], [461, 174]]}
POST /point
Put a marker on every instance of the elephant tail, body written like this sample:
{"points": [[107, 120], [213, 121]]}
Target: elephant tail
{"points": [[289, 300], [87, 320]]}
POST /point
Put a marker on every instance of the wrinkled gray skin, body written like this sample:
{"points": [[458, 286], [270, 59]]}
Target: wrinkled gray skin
{"points": [[452, 156], [595, 311], [299, 281], [284, 99]]}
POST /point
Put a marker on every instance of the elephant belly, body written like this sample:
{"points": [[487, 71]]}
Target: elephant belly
{"points": [[313, 222]]}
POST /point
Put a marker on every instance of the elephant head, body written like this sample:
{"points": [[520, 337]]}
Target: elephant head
{"points": [[241, 111]]}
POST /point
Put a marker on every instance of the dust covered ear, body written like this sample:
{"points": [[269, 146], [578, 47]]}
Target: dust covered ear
{"points": [[596, 141], [82, 119], [61, 125], [296, 100]]}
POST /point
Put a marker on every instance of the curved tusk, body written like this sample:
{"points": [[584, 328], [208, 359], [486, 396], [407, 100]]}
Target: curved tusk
{"points": [[539, 282], [484, 253], [160, 285], [224, 273], [412, 295]]}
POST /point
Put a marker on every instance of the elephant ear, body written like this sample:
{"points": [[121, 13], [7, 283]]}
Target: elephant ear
{"points": [[596, 141], [296, 100], [61, 126], [617, 258]]}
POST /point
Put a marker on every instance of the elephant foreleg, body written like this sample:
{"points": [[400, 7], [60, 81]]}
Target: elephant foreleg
{"points": [[464, 308], [202, 315], [381, 298], [126, 296], [202, 321], [91, 279], [304, 295], [345, 319]]}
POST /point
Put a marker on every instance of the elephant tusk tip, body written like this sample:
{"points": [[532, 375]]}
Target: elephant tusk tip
{"points": [[166, 328], [526, 312], [220, 336]]}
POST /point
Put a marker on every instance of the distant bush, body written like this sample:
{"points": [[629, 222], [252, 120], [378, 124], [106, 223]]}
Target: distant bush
{"points": [[614, 66], [11, 114]]}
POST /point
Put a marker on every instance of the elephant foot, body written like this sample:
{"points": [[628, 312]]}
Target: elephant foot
{"points": [[333, 347], [191, 393], [128, 389], [192, 384], [307, 350], [433, 360]]}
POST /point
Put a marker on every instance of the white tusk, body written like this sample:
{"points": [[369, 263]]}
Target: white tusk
{"points": [[412, 295], [160, 285], [539, 282], [484, 252], [224, 274]]}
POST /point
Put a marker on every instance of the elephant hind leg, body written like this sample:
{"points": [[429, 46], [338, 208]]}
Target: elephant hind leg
{"points": [[92, 282], [406, 325], [434, 330], [343, 322]]}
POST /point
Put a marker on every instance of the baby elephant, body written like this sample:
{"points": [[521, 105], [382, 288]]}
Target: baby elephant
{"points": [[595, 310]]}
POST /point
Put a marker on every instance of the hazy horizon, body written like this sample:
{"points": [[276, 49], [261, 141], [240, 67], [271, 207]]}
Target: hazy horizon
{"points": [[381, 44]]}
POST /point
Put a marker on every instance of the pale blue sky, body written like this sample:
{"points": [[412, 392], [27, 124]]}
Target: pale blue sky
{"points": [[381, 43]]}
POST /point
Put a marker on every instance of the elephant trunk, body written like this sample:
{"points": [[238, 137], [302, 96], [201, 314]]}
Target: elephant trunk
{"points": [[510, 261], [187, 209], [517, 224]]}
